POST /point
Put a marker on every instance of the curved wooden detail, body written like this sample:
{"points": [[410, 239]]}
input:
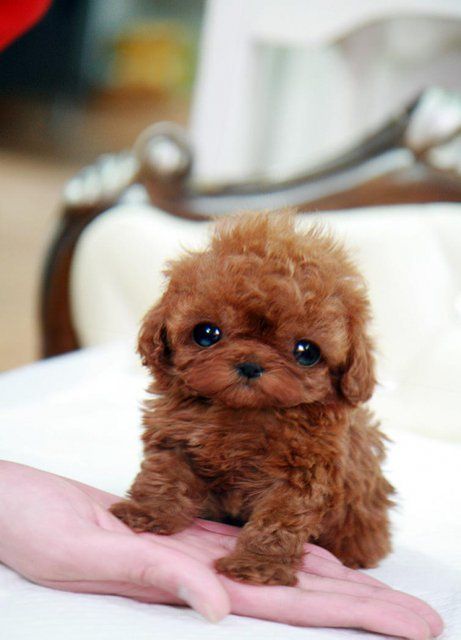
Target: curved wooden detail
{"points": [[414, 185], [381, 170], [57, 331]]}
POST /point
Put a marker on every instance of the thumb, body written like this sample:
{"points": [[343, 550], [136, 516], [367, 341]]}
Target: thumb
{"points": [[126, 557]]}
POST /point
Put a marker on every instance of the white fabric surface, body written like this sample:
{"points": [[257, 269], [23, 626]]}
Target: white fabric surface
{"points": [[411, 256], [78, 415]]}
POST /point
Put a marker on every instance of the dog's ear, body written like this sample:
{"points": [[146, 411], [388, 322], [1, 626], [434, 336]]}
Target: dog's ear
{"points": [[153, 345], [358, 377]]}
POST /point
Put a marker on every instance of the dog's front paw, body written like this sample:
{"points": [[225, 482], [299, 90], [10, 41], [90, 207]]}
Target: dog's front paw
{"points": [[140, 520], [256, 569]]}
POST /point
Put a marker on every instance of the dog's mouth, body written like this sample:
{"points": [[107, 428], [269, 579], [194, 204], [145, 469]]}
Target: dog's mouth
{"points": [[259, 390], [244, 394]]}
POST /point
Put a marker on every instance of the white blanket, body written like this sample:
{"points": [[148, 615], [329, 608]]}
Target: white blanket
{"points": [[78, 416]]}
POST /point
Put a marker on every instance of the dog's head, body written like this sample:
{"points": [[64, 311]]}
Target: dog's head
{"points": [[266, 317]]}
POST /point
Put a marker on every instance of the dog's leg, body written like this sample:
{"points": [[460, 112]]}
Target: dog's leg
{"points": [[360, 534], [165, 497], [363, 539], [269, 549]]}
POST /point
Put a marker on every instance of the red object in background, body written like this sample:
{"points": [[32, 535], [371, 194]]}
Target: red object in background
{"points": [[17, 16]]}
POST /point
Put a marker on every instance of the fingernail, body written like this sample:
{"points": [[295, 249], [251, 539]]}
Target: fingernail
{"points": [[196, 603]]}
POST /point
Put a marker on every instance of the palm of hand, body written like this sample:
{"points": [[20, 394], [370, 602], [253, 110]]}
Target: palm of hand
{"points": [[60, 534]]}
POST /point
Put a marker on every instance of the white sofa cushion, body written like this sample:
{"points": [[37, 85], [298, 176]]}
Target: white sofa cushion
{"points": [[410, 255]]}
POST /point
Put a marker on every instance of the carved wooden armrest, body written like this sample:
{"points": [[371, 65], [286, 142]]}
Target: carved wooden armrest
{"points": [[416, 157]]}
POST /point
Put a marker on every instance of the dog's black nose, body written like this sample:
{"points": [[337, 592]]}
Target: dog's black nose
{"points": [[250, 369]]}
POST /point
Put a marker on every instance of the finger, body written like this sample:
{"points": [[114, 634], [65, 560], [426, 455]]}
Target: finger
{"points": [[113, 556], [317, 560], [317, 609], [218, 527], [320, 551], [232, 532], [317, 583], [204, 549], [209, 543], [328, 569], [218, 538], [190, 543]]}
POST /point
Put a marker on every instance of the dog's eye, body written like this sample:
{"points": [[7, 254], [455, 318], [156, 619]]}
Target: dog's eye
{"points": [[306, 353], [206, 334]]}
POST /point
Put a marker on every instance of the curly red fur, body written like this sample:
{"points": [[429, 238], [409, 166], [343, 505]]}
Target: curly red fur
{"points": [[294, 454]]}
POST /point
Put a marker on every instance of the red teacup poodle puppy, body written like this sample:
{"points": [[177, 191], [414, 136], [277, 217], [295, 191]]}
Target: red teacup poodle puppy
{"points": [[261, 363]]}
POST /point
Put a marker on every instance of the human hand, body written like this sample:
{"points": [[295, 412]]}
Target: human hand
{"points": [[58, 533]]}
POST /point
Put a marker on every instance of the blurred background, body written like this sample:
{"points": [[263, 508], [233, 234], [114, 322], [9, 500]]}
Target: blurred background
{"points": [[267, 90], [86, 80]]}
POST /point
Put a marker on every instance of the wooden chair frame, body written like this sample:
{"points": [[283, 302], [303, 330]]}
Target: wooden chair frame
{"points": [[381, 170]]}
